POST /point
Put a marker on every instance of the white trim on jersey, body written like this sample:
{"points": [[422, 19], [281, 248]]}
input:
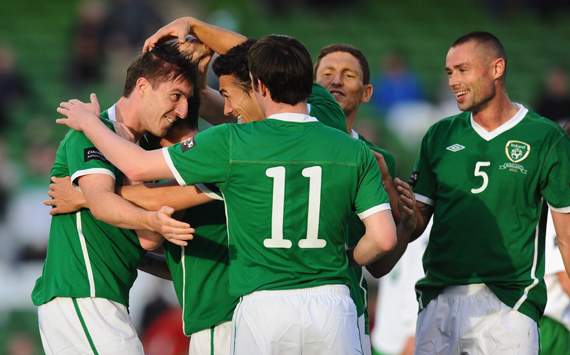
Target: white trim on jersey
{"points": [[112, 113], [81, 173], [171, 166], [183, 262], [378, 208], [293, 117], [354, 134], [424, 199], [85, 254], [560, 210], [532, 273], [513, 121], [211, 194]]}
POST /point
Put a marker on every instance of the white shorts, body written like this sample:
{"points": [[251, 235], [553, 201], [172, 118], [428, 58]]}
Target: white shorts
{"points": [[365, 343], [316, 320], [211, 341], [471, 320], [87, 326]]}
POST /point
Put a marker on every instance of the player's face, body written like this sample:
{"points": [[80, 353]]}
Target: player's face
{"points": [[340, 73], [238, 102], [470, 79], [165, 104]]}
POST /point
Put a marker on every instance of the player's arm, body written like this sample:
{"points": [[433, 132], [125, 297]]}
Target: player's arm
{"points": [[64, 197], [378, 239], [562, 227], [136, 163], [152, 196], [218, 39], [108, 207], [155, 264], [405, 229]]}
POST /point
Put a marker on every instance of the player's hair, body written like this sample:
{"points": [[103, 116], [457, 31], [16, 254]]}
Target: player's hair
{"points": [[284, 65], [487, 39], [346, 48], [163, 63], [234, 63]]}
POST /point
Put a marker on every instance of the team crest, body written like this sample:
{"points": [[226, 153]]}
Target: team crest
{"points": [[187, 144], [517, 151]]}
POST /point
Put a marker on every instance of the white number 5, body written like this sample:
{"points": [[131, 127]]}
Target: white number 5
{"points": [[482, 174]]}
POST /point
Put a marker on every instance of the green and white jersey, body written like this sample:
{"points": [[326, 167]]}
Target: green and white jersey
{"points": [[486, 189], [275, 175], [86, 257], [355, 231], [200, 271], [324, 107]]}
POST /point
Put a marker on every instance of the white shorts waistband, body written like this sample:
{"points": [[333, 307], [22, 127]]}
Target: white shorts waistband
{"points": [[339, 290], [465, 289]]}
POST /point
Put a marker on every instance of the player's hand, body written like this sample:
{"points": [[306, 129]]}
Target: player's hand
{"points": [[77, 114], [64, 197], [382, 165], [178, 28], [171, 229], [406, 204]]}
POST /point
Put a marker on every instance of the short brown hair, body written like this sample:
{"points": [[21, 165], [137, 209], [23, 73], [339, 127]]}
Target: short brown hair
{"points": [[347, 48]]}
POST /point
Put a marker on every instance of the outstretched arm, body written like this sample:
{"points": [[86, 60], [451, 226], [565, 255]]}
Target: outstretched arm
{"points": [[562, 227], [136, 163], [218, 39], [152, 197], [378, 239]]}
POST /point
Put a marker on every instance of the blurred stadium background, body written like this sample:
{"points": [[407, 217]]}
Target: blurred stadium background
{"points": [[59, 49]]}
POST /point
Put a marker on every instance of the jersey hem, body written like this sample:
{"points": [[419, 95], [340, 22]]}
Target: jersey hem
{"points": [[91, 171], [424, 199], [378, 208], [560, 209], [172, 168], [204, 189]]}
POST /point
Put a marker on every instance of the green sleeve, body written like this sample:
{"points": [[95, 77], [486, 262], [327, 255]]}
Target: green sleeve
{"points": [[84, 158], [201, 159], [555, 175], [371, 196], [423, 179], [324, 107]]}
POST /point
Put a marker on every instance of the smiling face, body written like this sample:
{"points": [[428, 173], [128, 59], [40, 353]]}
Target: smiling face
{"points": [[472, 72], [164, 104], [237, 101], [340, 73]]}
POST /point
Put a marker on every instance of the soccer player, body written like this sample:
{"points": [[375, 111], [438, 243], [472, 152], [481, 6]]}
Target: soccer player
{"points": [[82, 294], [274, 175], [344, 71], [483, 175]]}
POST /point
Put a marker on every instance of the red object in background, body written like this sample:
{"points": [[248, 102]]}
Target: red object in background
{"points": [[164, 336]]}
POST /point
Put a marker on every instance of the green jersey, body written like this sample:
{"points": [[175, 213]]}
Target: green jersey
{"points": [[324, 107], [200, 270], [275, 175], [486, 189], [355, 230], [86, 257]]}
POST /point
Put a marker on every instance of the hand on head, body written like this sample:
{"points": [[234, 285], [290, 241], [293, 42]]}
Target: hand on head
{"points": [[77, 114]]}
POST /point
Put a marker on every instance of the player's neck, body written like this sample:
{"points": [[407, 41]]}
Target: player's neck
{"points": [[272, 108], [128, 124], [497, 111], [350, 118]]}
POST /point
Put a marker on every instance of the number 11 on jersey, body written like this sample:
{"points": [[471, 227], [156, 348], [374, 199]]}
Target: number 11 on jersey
{"points": [[314, 174]]}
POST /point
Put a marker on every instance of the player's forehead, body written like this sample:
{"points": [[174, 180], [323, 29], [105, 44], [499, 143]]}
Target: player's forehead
{"points": [[340, 60], [468, 53], [229, 83], [179, 83]]}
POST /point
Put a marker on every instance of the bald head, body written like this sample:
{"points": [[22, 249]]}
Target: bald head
{"points": [[487, 46]]}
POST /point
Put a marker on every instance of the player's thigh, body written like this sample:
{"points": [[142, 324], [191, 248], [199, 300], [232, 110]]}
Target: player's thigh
{"points": [[215, 340], [88, 325], [436, 328]]}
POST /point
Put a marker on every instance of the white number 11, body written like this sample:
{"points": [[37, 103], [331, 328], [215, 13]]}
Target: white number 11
{"points": [[314, 173]]}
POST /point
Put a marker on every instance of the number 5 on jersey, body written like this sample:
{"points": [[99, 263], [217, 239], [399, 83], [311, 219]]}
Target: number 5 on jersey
{"points": [[314, 174], [482, 174]]}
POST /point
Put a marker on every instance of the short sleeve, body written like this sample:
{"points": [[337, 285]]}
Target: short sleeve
{"points": [[555, 177], [423, 179], [371, 196], [323, 106], [83, 158], [203, 158]]}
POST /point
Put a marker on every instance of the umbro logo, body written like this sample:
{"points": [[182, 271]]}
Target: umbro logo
{"points": [[455, 148]]}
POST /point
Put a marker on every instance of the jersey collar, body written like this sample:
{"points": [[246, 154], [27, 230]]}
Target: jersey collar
{"points": [[513, 121], [293, 117], [354, 134], [112, 113]]}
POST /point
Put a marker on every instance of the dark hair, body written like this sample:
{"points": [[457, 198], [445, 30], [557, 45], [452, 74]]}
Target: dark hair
{"points": [[234, 62], [347, 48], [487, 39], [284, 65], [162, 64]]}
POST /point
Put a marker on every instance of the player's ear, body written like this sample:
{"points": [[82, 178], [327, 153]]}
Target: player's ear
{"points": [[367, 94], [498, 67], [142, 85]]}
